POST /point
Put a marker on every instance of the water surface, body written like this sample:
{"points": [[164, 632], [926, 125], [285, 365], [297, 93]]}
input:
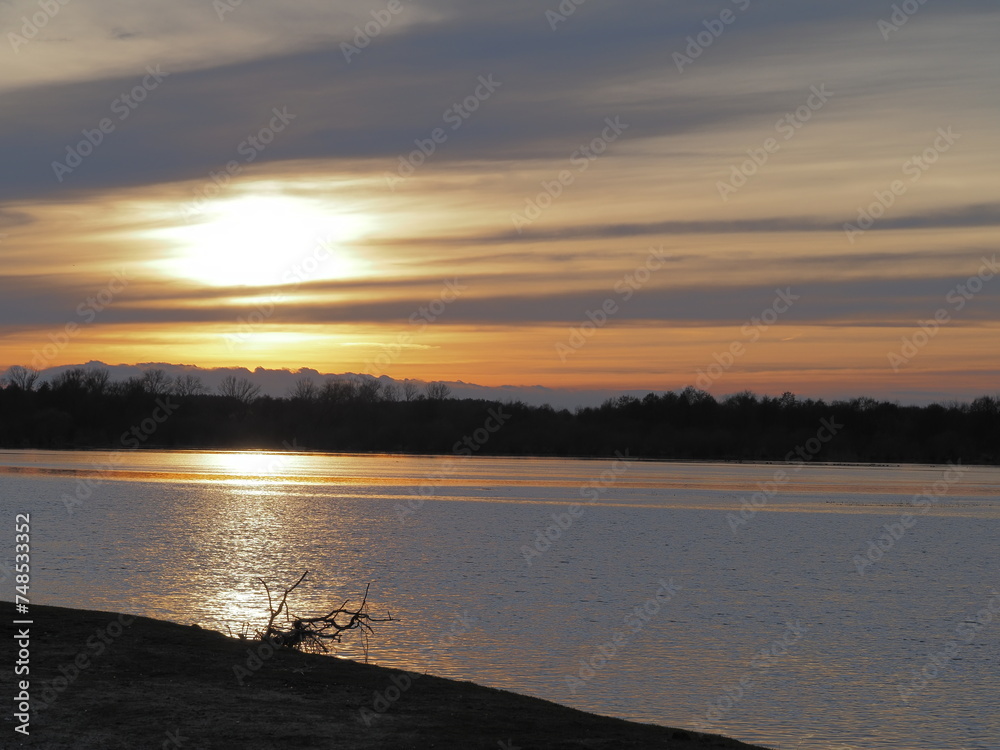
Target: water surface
{"points": [[446, 543]]}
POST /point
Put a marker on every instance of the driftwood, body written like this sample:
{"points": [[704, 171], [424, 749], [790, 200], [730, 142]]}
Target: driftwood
{"points": [[313, 633]]}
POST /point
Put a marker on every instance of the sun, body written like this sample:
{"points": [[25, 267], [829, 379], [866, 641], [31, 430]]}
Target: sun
{"points": [[263, 240]]}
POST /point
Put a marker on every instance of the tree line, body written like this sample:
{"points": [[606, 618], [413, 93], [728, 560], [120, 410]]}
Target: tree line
{"points": [[84, 408]]}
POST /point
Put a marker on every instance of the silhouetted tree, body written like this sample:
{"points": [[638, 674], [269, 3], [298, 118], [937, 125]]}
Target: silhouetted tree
{"points": [[20, 377], [188, 385], [69, 380], [96, 380], [437, 391], [155, 382], [369, 391], [240, 389], [338, 391], [82, 408], [304, 390]]}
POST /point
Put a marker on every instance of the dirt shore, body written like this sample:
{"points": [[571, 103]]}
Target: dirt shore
{"points": [[104, 681]]}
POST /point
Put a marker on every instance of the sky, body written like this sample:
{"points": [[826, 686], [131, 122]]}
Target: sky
{"points": [[774, 196]]}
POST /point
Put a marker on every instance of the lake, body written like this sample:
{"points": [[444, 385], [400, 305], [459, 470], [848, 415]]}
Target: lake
{"points": [[812, 606]]}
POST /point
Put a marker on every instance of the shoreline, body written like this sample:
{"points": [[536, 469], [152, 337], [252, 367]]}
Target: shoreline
{"points": [[498, 456], [109, 680]]}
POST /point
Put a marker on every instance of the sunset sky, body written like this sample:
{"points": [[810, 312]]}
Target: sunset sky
{"points": [[627, 195]]}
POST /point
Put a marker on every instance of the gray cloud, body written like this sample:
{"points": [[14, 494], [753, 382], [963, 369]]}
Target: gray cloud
{"points": [[982, 215], [868, 302], [557, 88], [607, 59]]}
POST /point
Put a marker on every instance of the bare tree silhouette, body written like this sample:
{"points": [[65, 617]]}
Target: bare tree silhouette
{"points": [[240, 389], [21, 377], [155, 382], [188, 385], [304, 390], [97, 380], [438, 391]]}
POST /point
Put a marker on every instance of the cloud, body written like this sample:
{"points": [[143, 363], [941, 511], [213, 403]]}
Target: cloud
{"points": [[556, 90], [349, 121], [877, 301], [983, 215]]}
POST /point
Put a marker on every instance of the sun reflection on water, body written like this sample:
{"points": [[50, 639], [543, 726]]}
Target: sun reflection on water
{"points": [[253, 467], [245, 525]]}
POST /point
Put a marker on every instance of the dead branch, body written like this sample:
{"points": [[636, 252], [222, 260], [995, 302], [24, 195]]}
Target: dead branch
{"points": [[275, 613], [314, 633]]}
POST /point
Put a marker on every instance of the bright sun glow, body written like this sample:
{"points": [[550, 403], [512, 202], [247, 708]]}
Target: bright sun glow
{"points": [[250, 468], [263, 240]]}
